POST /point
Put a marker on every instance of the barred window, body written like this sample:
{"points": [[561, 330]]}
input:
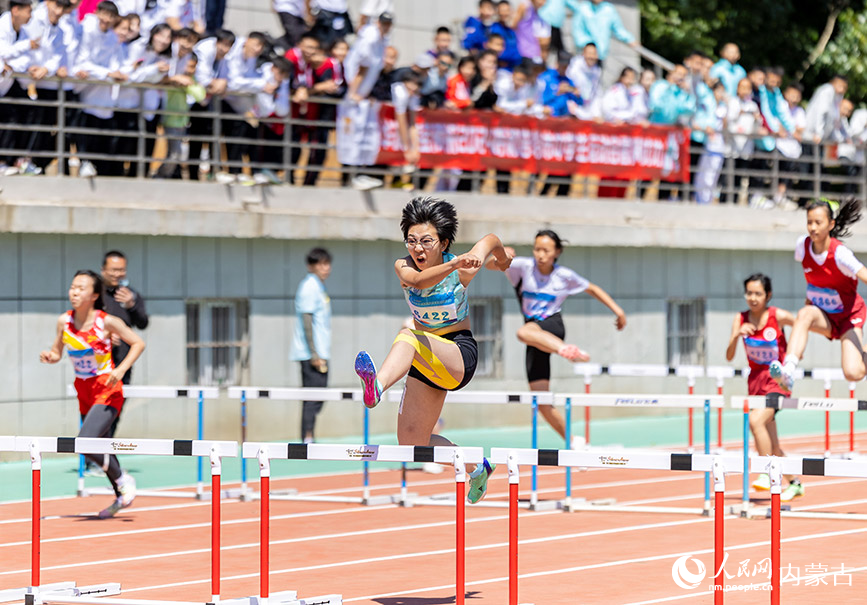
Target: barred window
{"points": [[218, 343], [686, 332], [486, 319]]}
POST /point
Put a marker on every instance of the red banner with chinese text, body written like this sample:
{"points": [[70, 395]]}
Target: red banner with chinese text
{"points": [[479, 140]]}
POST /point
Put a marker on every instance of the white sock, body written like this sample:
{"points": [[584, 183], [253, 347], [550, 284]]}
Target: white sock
{"points": [[791, 360]]}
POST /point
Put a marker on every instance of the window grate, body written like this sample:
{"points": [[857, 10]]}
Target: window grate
{"points": [[486, 320], [686, 329], [218, 343]]}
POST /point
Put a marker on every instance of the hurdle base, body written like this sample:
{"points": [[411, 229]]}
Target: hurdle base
{"points": [[369, 501], [610, 505], [33, 595], [287, 597]]}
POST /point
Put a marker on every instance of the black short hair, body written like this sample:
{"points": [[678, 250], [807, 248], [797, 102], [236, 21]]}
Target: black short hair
{"points": [[282, 64], [318, 255], [193, 57], [107, 6], [258, 36], [186, 32], [465, 60], [760, 277], [225, 35], [64, 4], [112, 254], [589, 44], [797, 86], [436, 211], [840, 77], [331, 46], [558, 243], [481, 2], [442, 29], [98, 285], [495, 35], [502, 2], [309, 35], [487, 52]]}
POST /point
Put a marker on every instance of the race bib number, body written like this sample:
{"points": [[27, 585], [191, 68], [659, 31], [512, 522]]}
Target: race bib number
{"points": [[826, 299], [83, 362], [762, 352], [437, 309]]}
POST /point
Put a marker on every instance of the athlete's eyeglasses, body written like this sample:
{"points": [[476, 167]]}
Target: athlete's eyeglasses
{"points": [[426, 243]]}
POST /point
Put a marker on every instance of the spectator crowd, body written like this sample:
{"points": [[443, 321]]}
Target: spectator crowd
{"points": [[510, 57]]}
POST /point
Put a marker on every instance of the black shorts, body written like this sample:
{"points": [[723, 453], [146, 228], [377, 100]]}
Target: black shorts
{"points": [[538, 362], [469, 349]]}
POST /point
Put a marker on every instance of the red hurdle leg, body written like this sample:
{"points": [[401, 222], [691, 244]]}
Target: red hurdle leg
{"points": [[776, 481], [264, 525], [719, 541], [36, 510], [216, 492], [514, 479], [460, 527]]}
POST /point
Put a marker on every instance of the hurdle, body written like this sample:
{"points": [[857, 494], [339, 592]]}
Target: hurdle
{"points": [[716, 464], [67, 592], [690, 402], [532, 398], [244, 394], [457, 456], [826, 404], [162, 392], [637, 370]]}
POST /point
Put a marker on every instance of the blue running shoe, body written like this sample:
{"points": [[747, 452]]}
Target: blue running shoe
{"points": [[479, 481], [782, 375], [367, 372]]}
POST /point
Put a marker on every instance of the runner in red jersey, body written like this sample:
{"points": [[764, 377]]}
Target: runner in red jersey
{"points": [[761, 328], [834, 308], [86, 331]]}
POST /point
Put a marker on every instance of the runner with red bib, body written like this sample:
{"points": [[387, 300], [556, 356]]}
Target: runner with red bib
{"points": [[834, 309], [761, 328], [86, 331]]}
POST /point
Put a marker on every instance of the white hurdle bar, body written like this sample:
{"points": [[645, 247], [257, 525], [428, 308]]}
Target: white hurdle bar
{"points": [[162, 392], [690, 402], [457, 456], [718, 465], [778, 402], [246, 393], [36, 446], [532, 398]]}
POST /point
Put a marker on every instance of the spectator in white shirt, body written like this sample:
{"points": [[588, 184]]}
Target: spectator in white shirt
{"points": [[272, 102], [789, 145], [407, 102], [49, 59], [515, 95], [100, 57], [715, 148], [211, 73], [823, 111], [365, 58], [15, 47], [743, 123], [585, 73], [620, 103], [244, 75], [371, 9]]}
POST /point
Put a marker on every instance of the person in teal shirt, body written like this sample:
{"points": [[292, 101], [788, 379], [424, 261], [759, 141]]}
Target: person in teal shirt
{"points": [[671, 101], [727, 70], [311, 344], [597, 21]]}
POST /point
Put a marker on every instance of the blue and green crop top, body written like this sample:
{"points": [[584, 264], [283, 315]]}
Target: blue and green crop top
{"points": [[441, 305]]}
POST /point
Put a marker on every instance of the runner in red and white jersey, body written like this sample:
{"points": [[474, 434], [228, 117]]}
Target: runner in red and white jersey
{"points": [[834, 309], [761, 328]]}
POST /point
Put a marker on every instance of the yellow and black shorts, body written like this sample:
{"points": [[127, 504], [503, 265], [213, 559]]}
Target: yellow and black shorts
{"points": [[432, 372]]}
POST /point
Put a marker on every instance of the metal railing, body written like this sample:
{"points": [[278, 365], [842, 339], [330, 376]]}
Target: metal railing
{"points": [[816, 173]]}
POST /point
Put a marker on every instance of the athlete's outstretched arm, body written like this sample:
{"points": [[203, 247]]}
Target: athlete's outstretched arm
{"points": [[55, 353], [136, 346], [490, 245], [603, 297], [862, 274], [785, 318]]}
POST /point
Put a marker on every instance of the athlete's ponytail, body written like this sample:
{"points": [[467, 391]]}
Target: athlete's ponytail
{"points": [[98, 287], [843, 213]]}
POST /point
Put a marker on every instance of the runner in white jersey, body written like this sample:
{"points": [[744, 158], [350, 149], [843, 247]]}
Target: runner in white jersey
{"points": [[542, 286]]}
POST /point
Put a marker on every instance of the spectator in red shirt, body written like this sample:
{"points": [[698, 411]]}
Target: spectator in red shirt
{"points": [[458, 87]]}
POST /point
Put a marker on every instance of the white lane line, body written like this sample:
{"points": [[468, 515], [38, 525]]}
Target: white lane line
{"points": [[321, 537], [671, 556]]}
